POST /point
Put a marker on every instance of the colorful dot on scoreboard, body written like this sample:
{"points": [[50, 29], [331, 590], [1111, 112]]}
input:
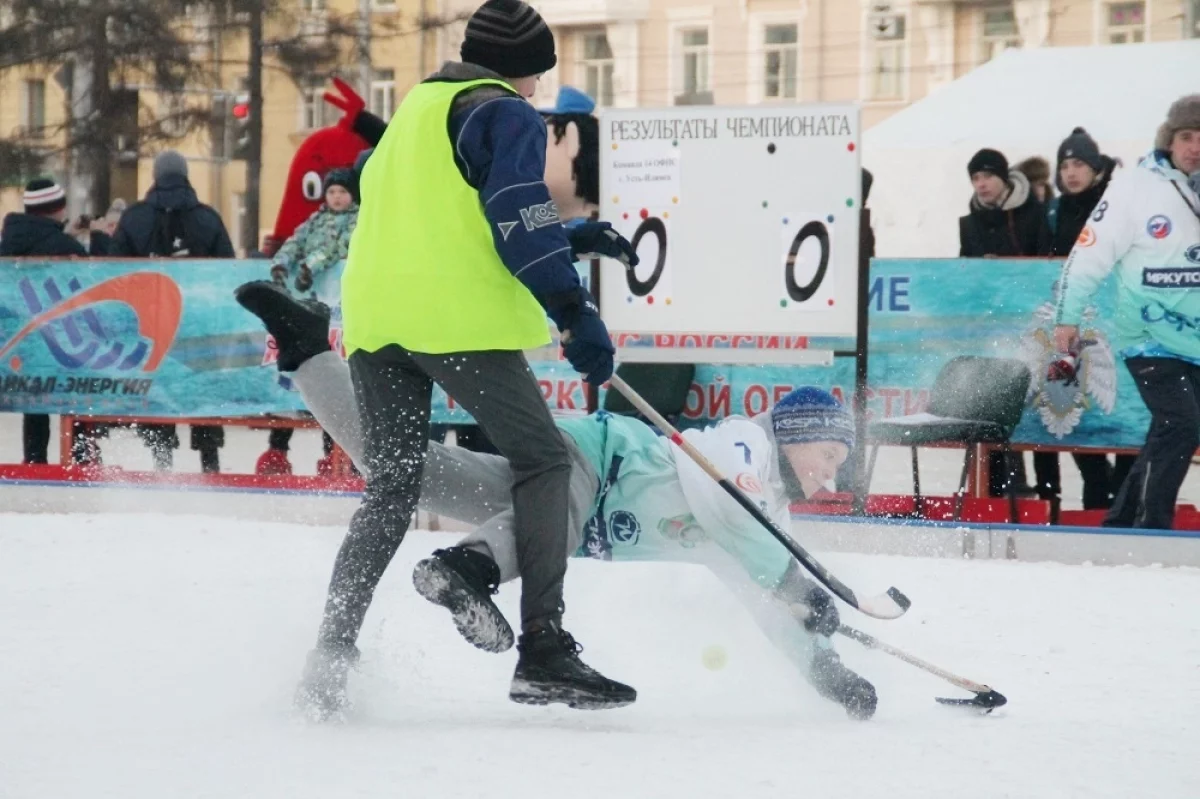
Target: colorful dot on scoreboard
{"points": [[849, 202], [625, 215], [829, 219], [675, 143], [850, 147], [616, 199], [831, 302], [643, 213], [785, 220], [764, 203], [783, 303], [675, 200], [650, 300], [666, 215], [614, 145], [629, 298], [667, 300]]}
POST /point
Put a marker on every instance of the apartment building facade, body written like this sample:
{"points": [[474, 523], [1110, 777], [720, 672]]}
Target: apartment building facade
{"points": [[32, 104], [884, 55]]}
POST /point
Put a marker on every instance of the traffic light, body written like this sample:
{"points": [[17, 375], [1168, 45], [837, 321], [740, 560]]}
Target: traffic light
{"points": [[240, 125]]}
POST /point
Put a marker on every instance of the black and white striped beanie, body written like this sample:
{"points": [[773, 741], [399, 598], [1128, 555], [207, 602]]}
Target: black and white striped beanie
{"points": [[44, 196], [509, 38]]}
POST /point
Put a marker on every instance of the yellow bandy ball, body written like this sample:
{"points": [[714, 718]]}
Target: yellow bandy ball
{"points": [[714, 657]]}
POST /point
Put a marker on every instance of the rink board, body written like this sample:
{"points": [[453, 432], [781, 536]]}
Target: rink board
{"points": [[1069, 545]]}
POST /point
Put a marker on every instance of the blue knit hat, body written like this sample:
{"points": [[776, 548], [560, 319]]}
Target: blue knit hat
{"points": [[810, 414], [571, 101]]}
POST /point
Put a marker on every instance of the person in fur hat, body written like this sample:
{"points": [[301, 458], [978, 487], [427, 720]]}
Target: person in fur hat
{"points": [[1147, 228]]}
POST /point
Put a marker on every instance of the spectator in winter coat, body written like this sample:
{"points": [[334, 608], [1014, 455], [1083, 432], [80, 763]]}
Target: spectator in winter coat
{"points": [[1082, 176], [319, 242], [39, 231], [1006, 220], [1146, 228], [1037, 169], [172, 222]]}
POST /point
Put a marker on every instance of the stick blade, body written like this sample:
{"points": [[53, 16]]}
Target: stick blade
{"points": [[987, 701], [891, 605]]}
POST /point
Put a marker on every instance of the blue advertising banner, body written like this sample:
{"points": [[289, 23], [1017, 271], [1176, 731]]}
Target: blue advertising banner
{"points": [[923, 313], [166, 338]]}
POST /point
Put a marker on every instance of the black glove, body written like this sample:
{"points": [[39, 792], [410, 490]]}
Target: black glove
{"points": [[586, 342], [304, 280], [599, 240], [823, 614]]}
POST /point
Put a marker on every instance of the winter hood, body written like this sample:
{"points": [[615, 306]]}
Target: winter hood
{"points": [[172, 193], [1018, 194]]}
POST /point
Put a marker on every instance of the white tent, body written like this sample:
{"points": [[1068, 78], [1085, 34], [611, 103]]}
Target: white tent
{"points": [[1023, 103]]}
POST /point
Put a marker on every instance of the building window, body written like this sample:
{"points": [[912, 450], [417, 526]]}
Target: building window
{"points": [[312, 106], [384, 5], [383, 93], [596, 67], [780, 60], [1000, 31], [1126, 23], [33, 112], [889, 58], [694, 57], [311, 6]]}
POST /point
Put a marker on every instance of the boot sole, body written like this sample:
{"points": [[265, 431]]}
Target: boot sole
{"points": [[526, 693], [481, 623]]}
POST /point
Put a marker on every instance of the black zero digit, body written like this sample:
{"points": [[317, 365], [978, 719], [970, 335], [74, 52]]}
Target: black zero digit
{"points": [[654, 225], [802, 293]]}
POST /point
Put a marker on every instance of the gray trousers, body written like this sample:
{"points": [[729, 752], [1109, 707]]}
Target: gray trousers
{"points": [[472, 487], [392, 390]]}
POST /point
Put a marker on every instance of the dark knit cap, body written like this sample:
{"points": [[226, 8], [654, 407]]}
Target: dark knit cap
{"points": [[44, 196], [342, 176], [1082, 147], [987, 160], [509, 38]]}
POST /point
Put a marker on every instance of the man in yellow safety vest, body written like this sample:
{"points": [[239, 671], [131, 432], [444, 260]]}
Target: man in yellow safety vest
{"points": [[458, 257]]}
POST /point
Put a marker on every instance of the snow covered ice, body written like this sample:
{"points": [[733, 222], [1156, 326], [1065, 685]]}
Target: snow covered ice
{"points": [[148, 656]]}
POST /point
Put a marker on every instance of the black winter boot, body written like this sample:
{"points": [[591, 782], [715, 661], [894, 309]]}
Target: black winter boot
{"points": [[321, 694], [463, 581], [300, 329], [549, 670], [836, 682]]}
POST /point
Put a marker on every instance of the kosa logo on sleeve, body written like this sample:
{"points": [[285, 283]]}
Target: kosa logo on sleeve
{"points": [[1159, 227], [1193, 253], [1171, 278]]}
